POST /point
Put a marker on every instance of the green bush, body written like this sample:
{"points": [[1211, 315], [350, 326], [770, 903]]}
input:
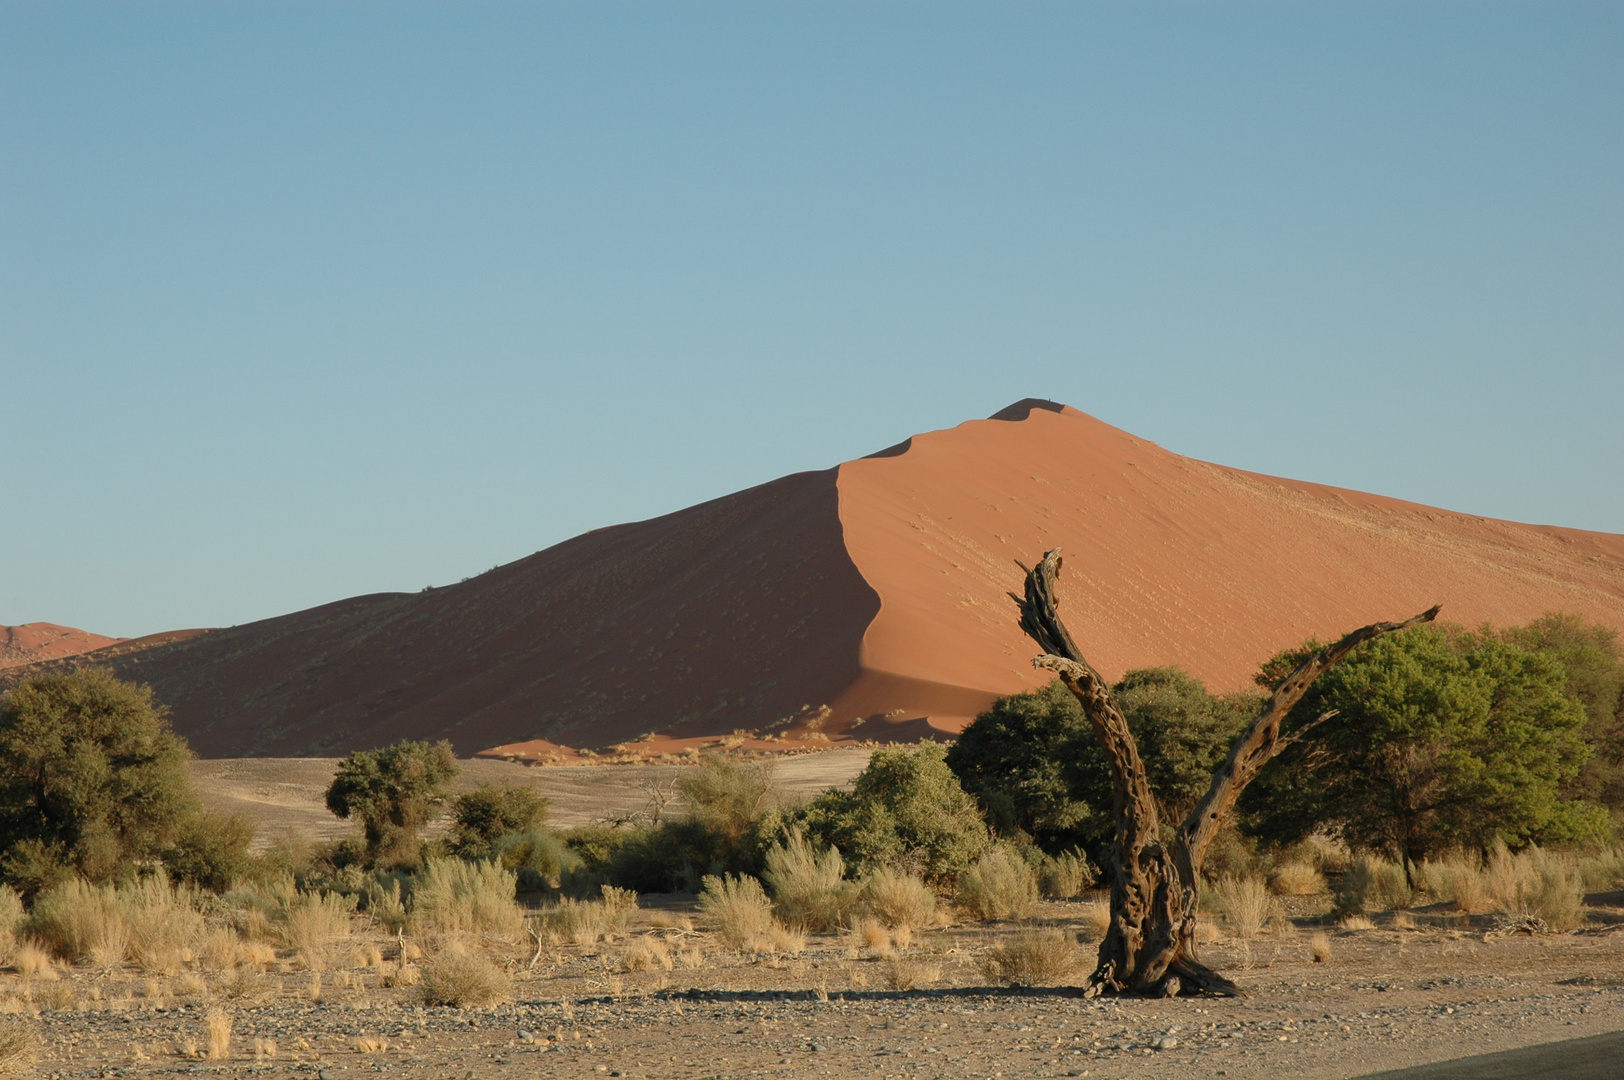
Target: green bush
{"points": [[999, 885], [211, 851], [482, 817], [539, 857], [92, 779], [905, 810], [393, 792]]}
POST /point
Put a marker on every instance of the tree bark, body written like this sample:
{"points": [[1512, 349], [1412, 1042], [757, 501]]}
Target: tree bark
{"points": [[1150, 948]]}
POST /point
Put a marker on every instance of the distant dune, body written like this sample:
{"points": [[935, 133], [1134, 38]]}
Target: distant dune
{"points": [[36, 641], [871, 592]]}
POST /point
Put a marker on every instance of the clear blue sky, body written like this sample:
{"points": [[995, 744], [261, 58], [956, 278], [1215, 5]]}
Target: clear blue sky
{"points": [[299, 301]]}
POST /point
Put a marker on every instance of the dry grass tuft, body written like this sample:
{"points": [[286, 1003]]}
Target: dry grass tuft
{"points": [[315, 921], [1096, 919], [11, 917], [457, 897], [1065, 876], [1355, 922], [313, 988], [32, 962], [370, 1044], [585, 922], [1372, 884], [264, 1049], [460, 979], [1296, 879], [809, 887], [647, 954], [71, 919], [165, 926], [1320, 947], [1031, 958], [899, 974], [217, 1035], [1245, 903], [1536, 883], [871, 935], [999, 885], [17, 1046], [898, 900], [738, 908]]}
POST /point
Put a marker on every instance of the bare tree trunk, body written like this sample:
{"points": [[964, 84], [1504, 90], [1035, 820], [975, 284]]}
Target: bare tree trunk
{"points": [[1150, 947]]}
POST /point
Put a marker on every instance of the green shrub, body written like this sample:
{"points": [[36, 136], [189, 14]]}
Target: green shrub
{"points": [[489, 813], [999, 885], [729, 796], [211, 851], [905, 809], [91, 777], [809, 887], [539, 857]]}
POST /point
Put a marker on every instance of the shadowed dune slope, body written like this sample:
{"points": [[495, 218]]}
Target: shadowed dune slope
{"points": [[31, 643], [1168, 560], [879, 589], [740, 609]]}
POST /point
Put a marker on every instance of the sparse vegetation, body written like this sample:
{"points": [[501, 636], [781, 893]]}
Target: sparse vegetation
{"points": [[1245, 903], [999, 885], [896, 899], [1032, 958], [809, 887], [460, 979], [456, 897]]}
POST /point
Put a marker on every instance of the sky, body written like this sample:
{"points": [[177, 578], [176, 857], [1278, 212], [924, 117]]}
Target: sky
{"points": [[302, 301]]}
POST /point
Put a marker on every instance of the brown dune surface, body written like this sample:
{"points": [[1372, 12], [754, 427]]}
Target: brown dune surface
{"points": [[33, 642], [874, 591]]}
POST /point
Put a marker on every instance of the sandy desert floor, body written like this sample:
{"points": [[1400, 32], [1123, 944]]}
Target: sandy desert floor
{"points": [[280, 794], [1387, 998]]}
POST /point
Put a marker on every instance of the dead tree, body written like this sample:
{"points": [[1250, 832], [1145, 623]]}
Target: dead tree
{"points": [[1150, 948]]}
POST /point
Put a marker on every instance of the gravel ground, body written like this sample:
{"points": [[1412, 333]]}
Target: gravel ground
{"points": [[1388, 998]]}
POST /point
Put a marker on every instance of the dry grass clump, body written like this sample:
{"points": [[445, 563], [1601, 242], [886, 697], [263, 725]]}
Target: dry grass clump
{"points": [[1372, 883], [1603, 870], [165, 925], [1536, 883], [999, 885], [899, 974], [585, 922], [314, 921], [74, 917], [1296, 879], [809, 888], [1065, 876], [33, 962], [17, 1046], [1031, 958], [1352, 923], [738, 908], [1245, 903], [460, 979], [1095, 915], [647, 954], [217, 1035], [11, 917], [452, 896], [1459, 879], [1319, 946], [370, 1044], [898, 899], [264, 1049]]}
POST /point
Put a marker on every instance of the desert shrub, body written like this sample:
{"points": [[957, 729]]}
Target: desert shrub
{"points": [[905, 809], [809, 887], [1031, 958], [903, 974], [1296, 879], [1438, 739], [91, 778], [1458, 878], [165, 925], [1536, 883], [1603, 870], [897, 899], [452, 896], [211, 851], [313, 921], [738, 908], [1095, 916], [393, 792], [11, 917], [647, 954], [490, 812], [999, 885], [1066, 875], [1371, 883], [584, 922], [384, 901], [74, 918], [1245, 903], [217, 1035], [667, 857], [1035, 766], [461, 979], [729, 796], [539, 857], [1319, 947]]}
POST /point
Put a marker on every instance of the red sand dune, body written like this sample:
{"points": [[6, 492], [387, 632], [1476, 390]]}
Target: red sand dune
{"points": [[872, 591], [37, 641]]}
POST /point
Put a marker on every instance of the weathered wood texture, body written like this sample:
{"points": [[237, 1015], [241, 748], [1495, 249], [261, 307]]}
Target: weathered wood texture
{"points": [[1150, 947]]}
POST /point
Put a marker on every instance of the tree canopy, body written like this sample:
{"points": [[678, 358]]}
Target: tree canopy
{"points": [[92, 778], [393, 792]]}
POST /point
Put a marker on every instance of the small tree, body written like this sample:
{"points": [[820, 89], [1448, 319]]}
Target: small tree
{"points": [[393, 792], [1150, 947], [483, 816], [91, 777]]}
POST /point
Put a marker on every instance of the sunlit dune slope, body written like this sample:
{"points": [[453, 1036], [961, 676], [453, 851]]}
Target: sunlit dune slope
{"points": [[34, 642], [877, 589]]}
